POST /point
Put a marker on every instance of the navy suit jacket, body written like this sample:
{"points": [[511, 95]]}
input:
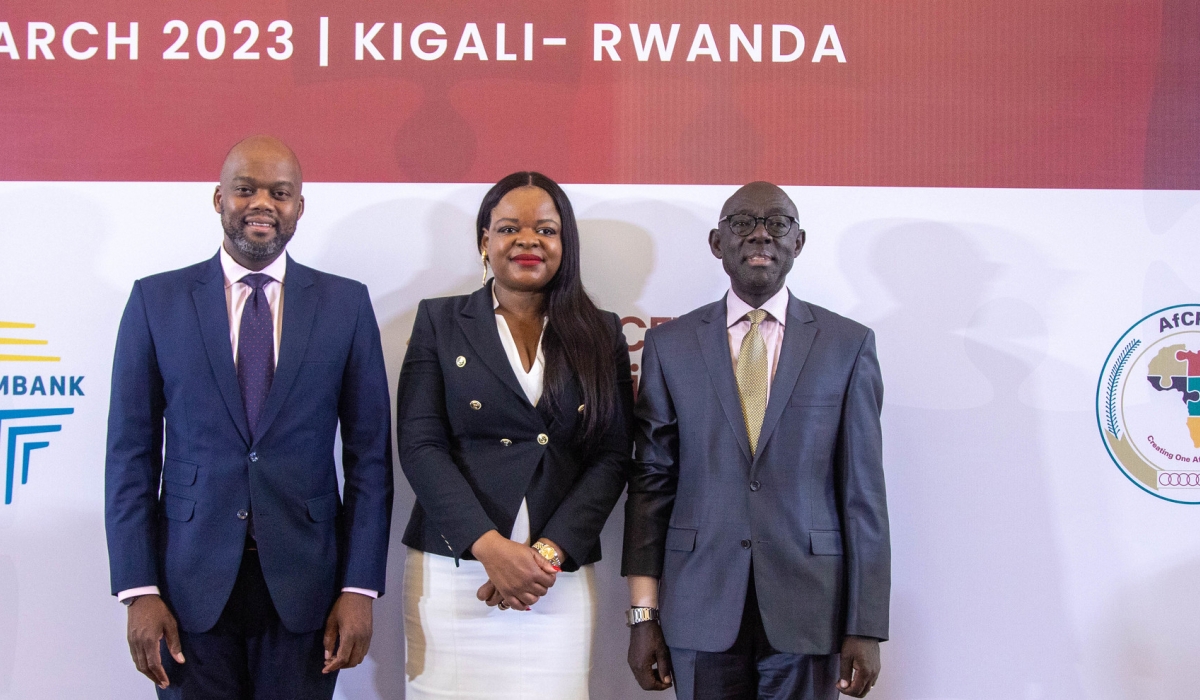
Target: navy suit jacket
{"points": [[808, 509], [172, 515], [472, 445]]}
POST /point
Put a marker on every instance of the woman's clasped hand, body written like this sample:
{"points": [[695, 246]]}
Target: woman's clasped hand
{"points": [[517, 574]]}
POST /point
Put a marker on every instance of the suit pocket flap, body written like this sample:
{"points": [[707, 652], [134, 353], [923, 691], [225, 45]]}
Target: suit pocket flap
{"points": [[680, 539], [323, 507], [826, 541], [177, 508], [179, 472], [816, 399]]}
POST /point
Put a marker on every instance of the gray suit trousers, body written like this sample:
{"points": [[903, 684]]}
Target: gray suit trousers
{"points": [[752, 669]]}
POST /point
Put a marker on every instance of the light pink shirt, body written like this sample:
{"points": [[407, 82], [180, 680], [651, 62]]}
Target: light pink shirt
{"points": [[236, 295], [771, 328]]}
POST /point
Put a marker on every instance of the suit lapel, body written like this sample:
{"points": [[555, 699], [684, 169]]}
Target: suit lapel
{"points": [[798, 337], [478, 322], [714, 344], [212, 310], [299, 312]]}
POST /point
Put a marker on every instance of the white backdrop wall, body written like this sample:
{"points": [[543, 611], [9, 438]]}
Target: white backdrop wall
{"points": [[1026, 566]]}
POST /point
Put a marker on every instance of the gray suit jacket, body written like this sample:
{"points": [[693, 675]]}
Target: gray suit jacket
{"points": [[809, 510]]}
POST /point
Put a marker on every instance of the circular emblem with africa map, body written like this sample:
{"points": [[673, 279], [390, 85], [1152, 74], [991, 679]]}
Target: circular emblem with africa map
{"points": [[1148, 403]]}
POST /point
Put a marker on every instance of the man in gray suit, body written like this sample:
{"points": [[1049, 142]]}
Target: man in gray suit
{"points": [[757, 519]]}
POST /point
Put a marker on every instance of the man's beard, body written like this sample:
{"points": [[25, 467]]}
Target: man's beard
{"points": [[257, 251]]}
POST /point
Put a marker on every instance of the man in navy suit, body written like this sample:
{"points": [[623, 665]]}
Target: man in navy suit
{"points": [[756, 516], [244, 572]]}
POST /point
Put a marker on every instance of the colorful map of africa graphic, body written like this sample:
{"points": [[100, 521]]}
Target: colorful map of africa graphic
{"points": [[1175, 368]]}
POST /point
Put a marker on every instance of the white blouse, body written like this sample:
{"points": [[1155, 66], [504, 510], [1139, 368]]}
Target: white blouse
{"points": [[531, 383]]}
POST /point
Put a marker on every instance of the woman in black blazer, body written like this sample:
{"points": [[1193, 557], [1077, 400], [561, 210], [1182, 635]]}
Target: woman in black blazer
{"points": [[513, 423]]}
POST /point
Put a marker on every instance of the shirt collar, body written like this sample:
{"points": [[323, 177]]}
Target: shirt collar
{"points": [[277, 270], [736, 309]]}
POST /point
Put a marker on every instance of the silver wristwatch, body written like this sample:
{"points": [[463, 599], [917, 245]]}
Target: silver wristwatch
{"points": [[635, 615]]}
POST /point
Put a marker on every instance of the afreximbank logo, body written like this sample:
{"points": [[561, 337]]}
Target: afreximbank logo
{"points": [[1148, 403], [34, 401]]}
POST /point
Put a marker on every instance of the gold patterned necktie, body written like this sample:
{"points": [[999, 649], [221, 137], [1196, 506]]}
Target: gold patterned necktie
{"points": [[752, 378]]}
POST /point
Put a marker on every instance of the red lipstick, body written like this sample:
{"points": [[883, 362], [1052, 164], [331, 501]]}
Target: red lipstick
{"points": [[526, 260]]}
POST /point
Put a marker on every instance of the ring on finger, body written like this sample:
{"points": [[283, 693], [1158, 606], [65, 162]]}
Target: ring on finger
{"points": [[502, 605]]}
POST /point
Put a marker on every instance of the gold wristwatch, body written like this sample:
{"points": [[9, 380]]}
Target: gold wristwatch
{"points": [[636, 615], [548, 553]]}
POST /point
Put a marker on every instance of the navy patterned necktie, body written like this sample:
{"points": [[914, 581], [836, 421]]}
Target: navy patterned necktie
{"points": [[256, 349]]}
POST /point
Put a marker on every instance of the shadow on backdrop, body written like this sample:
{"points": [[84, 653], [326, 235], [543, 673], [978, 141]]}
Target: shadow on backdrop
{"points": [[1150, 638], [617, 259], [359, 249], [9, 603], [977, 593], [627, 242]]}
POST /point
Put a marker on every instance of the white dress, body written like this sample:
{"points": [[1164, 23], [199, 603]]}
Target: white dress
{"points": [[458, 647]]}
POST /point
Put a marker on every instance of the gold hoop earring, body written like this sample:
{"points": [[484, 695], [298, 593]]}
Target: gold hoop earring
{"points": [[483, 256]]}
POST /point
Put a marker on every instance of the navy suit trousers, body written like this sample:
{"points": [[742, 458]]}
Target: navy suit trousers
{"points": [[249, 654]]}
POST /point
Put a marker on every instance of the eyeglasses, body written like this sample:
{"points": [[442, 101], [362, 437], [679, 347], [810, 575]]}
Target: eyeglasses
{"points": [[743, 225]]}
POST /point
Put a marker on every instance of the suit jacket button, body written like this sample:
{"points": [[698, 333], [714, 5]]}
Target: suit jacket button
{"points": [[745, 544], [253, 456], [754, 485], [581, 407], [543, 438], [505, 441], [461, 361], [476, 405], [243, 514]]}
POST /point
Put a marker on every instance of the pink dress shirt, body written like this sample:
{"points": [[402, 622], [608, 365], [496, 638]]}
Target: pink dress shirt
{"points": [[771, 327]]}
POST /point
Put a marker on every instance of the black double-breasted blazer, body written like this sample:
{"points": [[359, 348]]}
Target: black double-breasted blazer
{"points": [[473, 446]]}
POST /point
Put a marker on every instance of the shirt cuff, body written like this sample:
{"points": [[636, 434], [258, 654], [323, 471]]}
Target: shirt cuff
{"points": [[135, 592], [361, 591]]}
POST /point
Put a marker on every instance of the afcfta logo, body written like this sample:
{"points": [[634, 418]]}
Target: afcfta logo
{"points": [[1148, 403]]}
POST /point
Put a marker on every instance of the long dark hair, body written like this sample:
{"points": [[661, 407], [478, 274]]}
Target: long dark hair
{"points": [[578, 338]]}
